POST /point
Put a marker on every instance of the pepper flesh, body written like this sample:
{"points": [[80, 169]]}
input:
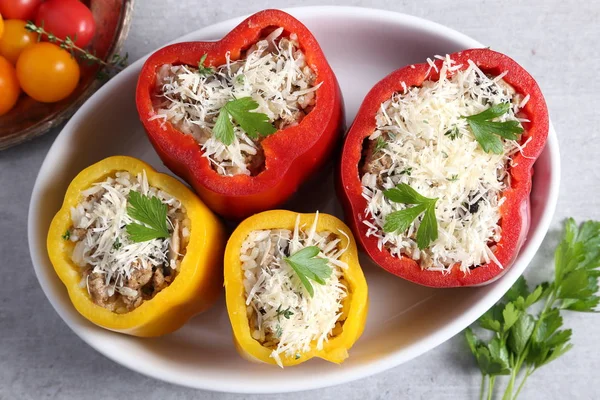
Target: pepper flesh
{"points": [[515, 213], [197, 284], [336, 349], [291, 155]]}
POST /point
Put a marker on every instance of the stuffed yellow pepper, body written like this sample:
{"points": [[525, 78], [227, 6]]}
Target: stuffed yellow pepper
{"points": [[138, 252], [294, 288]]}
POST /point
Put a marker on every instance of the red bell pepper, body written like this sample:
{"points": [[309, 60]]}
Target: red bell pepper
{"points": [[291, 155], [515, 213]]}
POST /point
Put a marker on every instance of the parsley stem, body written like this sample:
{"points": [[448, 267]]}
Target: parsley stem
{"points": [[482, 388], [527, 374], [513, 376], [491, 387]]}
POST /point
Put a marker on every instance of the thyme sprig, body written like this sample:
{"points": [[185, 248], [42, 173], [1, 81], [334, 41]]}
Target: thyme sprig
{"points": [[116, 62]]}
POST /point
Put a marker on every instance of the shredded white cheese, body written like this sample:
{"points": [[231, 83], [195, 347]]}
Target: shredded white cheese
{"points": [[271, 285], [432, 149], [101, 240], [274, 73]]}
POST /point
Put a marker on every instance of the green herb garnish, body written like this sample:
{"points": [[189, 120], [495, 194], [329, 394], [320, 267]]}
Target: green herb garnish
{"points": [[523, 342], [399, 221], [380, 144], [453, 133], [240, 79], [151, 214], [453, 178], [487, 131], [117, 244], [278, 331], [307, 266], [287, 313], [202, 69], [254, 124], [66, 235], [407, 171]]}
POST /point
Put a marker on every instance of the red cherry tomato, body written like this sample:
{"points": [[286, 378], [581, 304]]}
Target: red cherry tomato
{"points": [[19, 9], [67, 18]]}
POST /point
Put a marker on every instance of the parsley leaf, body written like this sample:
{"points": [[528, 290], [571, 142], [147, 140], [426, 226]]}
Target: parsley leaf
{"points": [[485, 130], [151, 213], [307, 266], [223, 129], [400, 221], [66, 235], [202, 69], [520, 333], [254, 124]]}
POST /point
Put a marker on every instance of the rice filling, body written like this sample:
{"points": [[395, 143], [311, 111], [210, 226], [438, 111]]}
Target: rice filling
{"points": [[281, 315]]}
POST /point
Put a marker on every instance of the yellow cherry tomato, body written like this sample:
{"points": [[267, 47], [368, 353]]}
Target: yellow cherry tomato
{"points": [[14, 39], [47, 73], [1, 26], [9, 86]]}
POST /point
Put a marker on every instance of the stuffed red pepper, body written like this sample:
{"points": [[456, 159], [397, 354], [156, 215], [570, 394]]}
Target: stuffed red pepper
{"points": [[246, 119], [436, 170]]}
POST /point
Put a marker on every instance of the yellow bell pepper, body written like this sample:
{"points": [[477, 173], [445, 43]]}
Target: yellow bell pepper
{"points": [[355, 304], [196, 286]]}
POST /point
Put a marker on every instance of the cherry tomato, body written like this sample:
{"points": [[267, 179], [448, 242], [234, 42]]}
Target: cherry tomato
{"points": [[47, 73], [1, 25], [9, 86], [19, 9], [15, 39], [67, 18]]}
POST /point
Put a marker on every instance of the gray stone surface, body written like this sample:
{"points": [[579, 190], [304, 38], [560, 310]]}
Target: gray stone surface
{"points": [[556, 40]]}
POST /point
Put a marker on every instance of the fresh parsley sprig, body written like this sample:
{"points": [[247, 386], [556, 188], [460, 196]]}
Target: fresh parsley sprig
{"points": [[486, 131], [307, 266], [202, 69], [400, 221], [151, 214], [253, 123], [523, 342]]}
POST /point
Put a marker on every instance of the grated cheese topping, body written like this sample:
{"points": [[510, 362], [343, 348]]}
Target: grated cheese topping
{"points": [[102, 246], [432, 149], [273, 72], [273, 287]]}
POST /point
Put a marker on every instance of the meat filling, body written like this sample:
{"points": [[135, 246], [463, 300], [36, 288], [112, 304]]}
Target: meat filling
{"points": [[273, 72], [121, 274]]}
